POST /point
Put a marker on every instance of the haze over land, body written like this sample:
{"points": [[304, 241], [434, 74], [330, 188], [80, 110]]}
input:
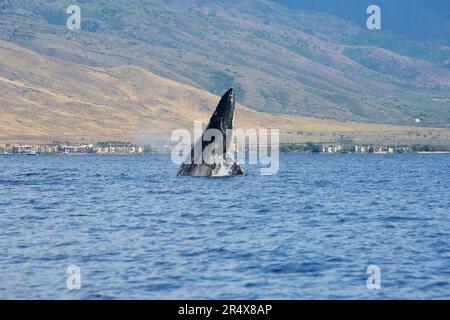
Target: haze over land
{"points": [[315, 75]]}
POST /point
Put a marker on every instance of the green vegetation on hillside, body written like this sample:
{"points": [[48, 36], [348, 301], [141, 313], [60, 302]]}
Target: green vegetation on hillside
{"points": [[278, 60]]}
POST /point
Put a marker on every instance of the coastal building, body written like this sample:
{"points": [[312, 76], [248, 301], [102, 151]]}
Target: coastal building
{"points": [[162, 149], [333, 148], [380, 150], [119, 149], [77, 149], [404, 149], [48, 149], [360, 149], [72, 149], [22, 149]]}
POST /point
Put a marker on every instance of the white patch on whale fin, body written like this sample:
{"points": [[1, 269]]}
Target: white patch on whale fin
{"points": [[224, 167]]}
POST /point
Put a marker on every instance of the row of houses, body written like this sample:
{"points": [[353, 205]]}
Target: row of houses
{"points": [[340, 148], [71, 149], [126, 148]]}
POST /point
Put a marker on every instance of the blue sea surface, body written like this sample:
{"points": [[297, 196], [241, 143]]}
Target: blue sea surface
{"points": [[139, 232]]}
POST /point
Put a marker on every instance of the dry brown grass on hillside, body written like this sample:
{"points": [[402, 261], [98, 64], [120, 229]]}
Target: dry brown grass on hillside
{"points": [[44, 99]]}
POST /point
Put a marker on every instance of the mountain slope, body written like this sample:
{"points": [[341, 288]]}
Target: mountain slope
{"points": [[422, 20], [44, 99], [281, 60]]}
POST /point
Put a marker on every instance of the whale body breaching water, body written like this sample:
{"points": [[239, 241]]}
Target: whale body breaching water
{"points": [[205, 160]]}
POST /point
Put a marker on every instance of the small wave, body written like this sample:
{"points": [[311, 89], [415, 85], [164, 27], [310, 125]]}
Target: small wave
{"points": [[306, 267]]}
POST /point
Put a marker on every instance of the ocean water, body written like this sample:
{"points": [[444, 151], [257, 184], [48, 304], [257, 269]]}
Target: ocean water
{"points": [[138, 232]]}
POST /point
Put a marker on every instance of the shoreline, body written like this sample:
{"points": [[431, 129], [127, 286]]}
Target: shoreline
{"points": [[433, 152], [166, 153]]}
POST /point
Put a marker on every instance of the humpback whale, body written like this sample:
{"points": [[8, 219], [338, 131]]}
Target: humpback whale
{"points": [[204, 159]]}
